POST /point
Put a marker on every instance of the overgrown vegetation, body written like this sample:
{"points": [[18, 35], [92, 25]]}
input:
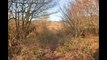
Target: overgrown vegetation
{"points": [[77, 39]]}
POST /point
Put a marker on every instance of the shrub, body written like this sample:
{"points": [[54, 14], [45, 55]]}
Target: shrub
{"points": [[78, 47]]}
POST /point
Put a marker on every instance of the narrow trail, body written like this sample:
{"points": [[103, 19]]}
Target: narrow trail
{"points": [[52, 46]]}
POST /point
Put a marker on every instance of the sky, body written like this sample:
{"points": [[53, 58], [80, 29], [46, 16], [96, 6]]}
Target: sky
{"points": [[56, 16]]}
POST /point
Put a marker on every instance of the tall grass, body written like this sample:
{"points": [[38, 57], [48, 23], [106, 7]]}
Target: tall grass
{"points": [[43, 44]]}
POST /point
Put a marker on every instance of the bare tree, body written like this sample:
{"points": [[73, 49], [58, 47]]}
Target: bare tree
{"points": [[81, 15], [23, 11]]}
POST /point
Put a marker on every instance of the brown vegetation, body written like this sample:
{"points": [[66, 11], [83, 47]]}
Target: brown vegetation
{"points": [[74, 38]]}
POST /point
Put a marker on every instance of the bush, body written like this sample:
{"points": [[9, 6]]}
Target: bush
{"points": [[78, 47], [82, 27], [14, 51]]}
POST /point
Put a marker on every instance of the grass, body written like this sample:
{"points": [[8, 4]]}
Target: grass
{"points": [[50, 45]]}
